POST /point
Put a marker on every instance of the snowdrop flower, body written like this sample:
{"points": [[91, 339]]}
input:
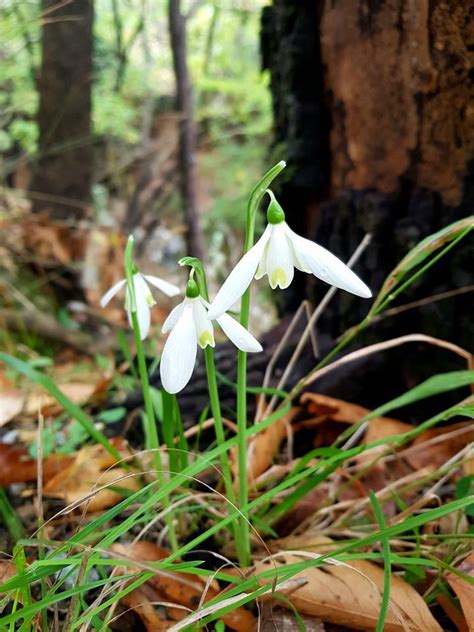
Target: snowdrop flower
{"points": [[143, 298], [278, 251], [190, 326]]}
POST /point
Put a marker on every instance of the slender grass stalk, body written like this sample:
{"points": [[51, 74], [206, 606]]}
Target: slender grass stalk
{"points": [[387, 575], [151, 432], [252, 206]]}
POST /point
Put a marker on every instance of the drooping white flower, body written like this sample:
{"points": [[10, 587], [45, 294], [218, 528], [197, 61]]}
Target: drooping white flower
{"points": [[277, 253], [143, 298], [190, 326]]}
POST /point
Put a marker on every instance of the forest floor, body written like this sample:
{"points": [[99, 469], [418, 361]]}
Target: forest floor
{"points": [[360, 519]]}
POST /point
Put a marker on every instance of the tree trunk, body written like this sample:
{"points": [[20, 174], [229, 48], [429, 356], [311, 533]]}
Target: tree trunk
{"points": [[177, 28], [62, 177], [374, 105]]}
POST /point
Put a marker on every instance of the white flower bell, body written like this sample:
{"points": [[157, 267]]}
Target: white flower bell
{"points": [[191, 326], [278, 251], [143, 298]]}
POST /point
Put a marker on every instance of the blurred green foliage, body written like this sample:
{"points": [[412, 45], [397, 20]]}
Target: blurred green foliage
{"points": [[134, 79], [133, 72]]}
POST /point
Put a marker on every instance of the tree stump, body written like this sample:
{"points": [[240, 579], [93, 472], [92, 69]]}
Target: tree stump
{"points": [[374, 108]]}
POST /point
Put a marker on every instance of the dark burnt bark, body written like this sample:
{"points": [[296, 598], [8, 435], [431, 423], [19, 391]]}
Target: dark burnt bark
{"points": [[62, 176], [373, 107], [177, 28]]}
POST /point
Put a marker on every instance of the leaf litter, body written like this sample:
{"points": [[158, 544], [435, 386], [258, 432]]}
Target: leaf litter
{"points": [[339, 595]]}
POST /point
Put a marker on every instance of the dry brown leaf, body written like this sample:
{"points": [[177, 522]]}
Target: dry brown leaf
{"points": [[351, 594], [87, 473], [381, 428], [11, 403], [464, 590], [330, 411], [141, 602], [77, 377], [274, 619], [16, 465], [263, 446], [39, 401], [434, 455], [453, 612], [182, 589], [339, 410], [304, 508], [53, 242]]}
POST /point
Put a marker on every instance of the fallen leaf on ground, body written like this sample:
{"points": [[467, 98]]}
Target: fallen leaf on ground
{"points": [[435, 454], [262, 447], [11, 401], [87, 473], [340, 410], [329, 411], [464, 590], [77, 377], [53, 241], [141, 601], [304, 508], [274, 619], [16, 465], [39, 401], [183, 589], [350, 594]]}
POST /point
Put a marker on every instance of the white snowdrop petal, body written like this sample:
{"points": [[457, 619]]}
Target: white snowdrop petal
{"points": [[292, 240], [143, 313], [262, 268], [204, 328], [108, 296], [142, 290], [329, 268], [241, 338], [167, 288], [179, 353], [240, 277], [172, 318], [279, 261]]}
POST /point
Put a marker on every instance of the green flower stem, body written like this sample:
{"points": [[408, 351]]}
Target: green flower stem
{"points": [[220, 436], [252, 207], [211, 372], [151, 432]]}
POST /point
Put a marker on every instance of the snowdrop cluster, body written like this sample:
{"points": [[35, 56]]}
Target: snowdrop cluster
{"points": [[190, 324]]}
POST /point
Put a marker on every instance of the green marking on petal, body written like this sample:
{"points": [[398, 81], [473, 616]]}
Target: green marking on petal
{"points": [[205, 339], [150, 300], [278, 277]]}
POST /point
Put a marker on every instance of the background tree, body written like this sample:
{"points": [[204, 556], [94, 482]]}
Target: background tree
{"points": [[184, 105], [62, 176]]}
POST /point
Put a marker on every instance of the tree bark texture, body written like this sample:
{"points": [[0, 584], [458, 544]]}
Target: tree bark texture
{"points": [[374, 108], [184, 103], [62, 176]]}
